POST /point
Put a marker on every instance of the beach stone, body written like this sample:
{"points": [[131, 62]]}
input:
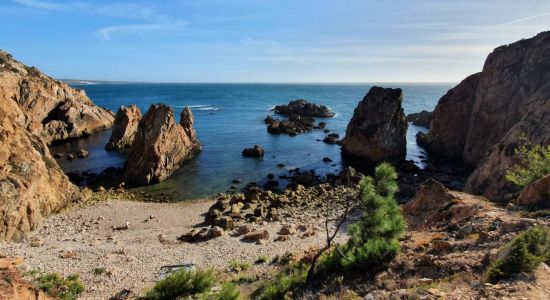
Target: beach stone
{"points": [[260, 234], [225, 222]]}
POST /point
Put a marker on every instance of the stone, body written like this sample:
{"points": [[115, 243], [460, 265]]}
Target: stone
{"points": [[243, 229], [13, 285], [82, 153], [288, 229], [124, 128], [377, 130], [160, 146], [255, 151], [224, 222], [302, 107], [216, 231], [260, 234], [423, 118], [536, 194], [441, 246], [37, 242], [327, 159]]}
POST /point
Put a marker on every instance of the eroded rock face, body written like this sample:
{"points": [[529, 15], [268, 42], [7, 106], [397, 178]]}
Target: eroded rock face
{"points": [[31, 183], [449, 129], [124, 128], [480, 121], [302, 107], [377, 130], [54, 110], [160, 146]]}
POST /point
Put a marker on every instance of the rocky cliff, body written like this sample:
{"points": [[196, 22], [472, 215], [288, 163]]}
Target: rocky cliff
{"points": [[481, 119], [160, 146], [36, 110], [377, 130], [53, 110]]}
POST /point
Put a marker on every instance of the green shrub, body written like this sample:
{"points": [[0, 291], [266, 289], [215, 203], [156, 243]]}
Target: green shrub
{"points": [[284, 283], [374, 239], [535, 163], [228, 292], [262, 259], [182, 283], [524, 254], [238, 266], [55, 285]]}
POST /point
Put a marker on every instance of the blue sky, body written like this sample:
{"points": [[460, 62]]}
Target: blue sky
{"points": [[264, 41]]}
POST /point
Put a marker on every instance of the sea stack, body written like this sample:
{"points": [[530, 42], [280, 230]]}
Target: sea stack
{"points": [[124, 128], [377, 130], [160, 146]]}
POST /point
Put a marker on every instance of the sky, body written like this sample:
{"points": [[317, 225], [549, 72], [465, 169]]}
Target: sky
{"points": [[265, 41]]}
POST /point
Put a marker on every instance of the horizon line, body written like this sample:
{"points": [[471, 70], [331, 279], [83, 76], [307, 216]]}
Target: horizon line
{"points": [[93, 81]]}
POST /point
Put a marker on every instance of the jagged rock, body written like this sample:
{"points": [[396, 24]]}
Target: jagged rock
{"points": [[294, 125], [423, 118], [479, 120], [31, 183], [377, 130], [537, 193], [53, 110], [255, 151], [124, 128], [302, 107], [160, 146]]}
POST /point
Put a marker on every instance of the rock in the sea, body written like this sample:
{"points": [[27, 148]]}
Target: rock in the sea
{"points": [[423, 118], [124, 128], [302, 107], [82, 153], [255, 151], [294, 125], [53, 110], [377, 130], [160, 146], [536, 194]]}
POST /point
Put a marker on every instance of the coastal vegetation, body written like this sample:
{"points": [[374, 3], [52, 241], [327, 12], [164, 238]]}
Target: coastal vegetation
{"points": [[523, 254], [55, 285], [534, 163]]}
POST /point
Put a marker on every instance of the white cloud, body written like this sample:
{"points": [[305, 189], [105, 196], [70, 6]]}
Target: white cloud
{"points": [[106, 33], [41, 4]]}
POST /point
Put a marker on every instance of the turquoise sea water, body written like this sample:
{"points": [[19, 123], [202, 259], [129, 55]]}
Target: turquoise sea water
{"points": [[229, 117]]}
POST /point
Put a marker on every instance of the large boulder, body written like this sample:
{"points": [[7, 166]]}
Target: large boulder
{"points": [[423, 118], [53, 110], [161, 145], [537, 193], [302, 107], [31, 183], [481, 120], [124, 128], [377, 130]]}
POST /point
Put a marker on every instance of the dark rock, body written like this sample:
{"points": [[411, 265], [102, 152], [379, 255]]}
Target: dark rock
{"points": [[255, 151], [423, 118], [327, 159], [82, 153], [304, 108], [377, 130]]}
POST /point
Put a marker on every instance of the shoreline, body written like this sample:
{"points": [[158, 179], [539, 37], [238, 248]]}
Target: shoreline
{"points": [[81, 239]]}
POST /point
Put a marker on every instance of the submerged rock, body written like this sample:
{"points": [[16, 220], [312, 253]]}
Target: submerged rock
{"points": [[160, 146], [124, 128], [377, 130], [302, 107], [255, 151]]}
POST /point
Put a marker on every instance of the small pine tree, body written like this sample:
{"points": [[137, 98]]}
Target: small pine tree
{"points": [[374, 240]]}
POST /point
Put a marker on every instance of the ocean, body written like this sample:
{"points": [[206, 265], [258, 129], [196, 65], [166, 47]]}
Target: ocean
{"points": [[229, 118]]}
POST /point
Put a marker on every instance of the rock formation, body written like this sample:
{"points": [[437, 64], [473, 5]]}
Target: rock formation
{"points": [[255, 151], [423, 118], [294, 125], [536, 194], [480, 121], [160, 146], [124, 128], [53, 110], [302, 107], [12, 284], [31, 183], [377, 130], [37, 110]]}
